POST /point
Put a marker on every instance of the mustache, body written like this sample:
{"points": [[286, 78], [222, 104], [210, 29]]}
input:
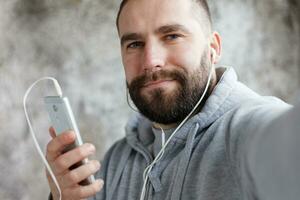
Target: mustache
{"points": [[140, 81]]}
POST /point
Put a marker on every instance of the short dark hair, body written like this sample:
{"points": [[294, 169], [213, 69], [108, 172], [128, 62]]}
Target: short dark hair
{"points": [[202, 3]]}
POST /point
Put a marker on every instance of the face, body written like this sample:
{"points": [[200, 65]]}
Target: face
{"points": [[165, 53]]}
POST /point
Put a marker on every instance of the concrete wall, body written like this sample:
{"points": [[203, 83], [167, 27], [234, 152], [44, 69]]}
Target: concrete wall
{"points": [[76, 42]]}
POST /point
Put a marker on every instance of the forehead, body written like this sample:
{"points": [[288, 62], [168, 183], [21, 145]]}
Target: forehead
{"points": [[146, 15]]}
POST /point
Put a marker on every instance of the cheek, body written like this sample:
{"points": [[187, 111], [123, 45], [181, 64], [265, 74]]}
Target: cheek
{"points": [[186, 57], [131, 67]]}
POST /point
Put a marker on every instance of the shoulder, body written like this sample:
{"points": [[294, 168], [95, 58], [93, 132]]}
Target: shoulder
{"points": [[258, 111], [112, 158], [248, 119]]}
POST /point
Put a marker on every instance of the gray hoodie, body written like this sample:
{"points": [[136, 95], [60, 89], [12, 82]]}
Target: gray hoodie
{"points": [[204, 160]]}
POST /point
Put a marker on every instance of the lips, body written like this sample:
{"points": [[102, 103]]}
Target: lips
{"points": [[157, 82]]}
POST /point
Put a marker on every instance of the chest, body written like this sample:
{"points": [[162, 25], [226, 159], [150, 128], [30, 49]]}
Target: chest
{"points": [[204, 173]]}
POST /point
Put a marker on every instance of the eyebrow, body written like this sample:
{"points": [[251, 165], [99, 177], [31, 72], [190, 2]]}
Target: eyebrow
{"points": [[161, 30], [130, 36], [172, 28]]}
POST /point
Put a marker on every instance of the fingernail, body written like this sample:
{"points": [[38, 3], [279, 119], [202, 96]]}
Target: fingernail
{"points": [[101, 182], [98, 165], [91, 147]]}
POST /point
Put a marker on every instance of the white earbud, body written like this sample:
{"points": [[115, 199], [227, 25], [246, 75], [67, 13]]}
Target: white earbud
{"points": [[213, 55]]}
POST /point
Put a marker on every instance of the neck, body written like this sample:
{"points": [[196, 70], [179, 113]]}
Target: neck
{"points": [[164, 126]]}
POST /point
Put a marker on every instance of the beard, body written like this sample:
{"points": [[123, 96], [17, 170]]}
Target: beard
{"points": [[167, 107]]}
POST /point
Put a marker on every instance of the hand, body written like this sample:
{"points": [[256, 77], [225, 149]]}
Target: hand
{"points": [[69, 179]]}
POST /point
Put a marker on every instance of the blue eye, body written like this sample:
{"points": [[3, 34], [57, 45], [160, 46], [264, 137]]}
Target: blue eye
{"points": [[172, 36], [135, 45]]}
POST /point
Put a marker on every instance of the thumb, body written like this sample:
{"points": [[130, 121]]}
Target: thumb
{"points": [[52, 132]]}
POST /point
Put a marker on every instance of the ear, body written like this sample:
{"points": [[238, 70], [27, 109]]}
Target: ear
{"points": [[216, 46]]}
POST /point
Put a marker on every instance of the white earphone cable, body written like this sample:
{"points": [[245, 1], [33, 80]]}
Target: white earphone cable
{"points": [[59, 93], [146, 171], [129, 100]]}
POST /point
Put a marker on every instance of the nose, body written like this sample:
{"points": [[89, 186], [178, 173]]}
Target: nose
{"points": [[153, 57]]}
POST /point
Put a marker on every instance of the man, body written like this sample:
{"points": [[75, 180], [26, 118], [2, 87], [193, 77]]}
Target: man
{"points": [[168, 52]]}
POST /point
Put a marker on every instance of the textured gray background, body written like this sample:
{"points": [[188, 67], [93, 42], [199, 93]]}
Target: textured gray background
{"points": [[76, 42]]}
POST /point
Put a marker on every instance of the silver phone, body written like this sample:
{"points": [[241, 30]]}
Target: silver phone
{"points": [[62, 119]]}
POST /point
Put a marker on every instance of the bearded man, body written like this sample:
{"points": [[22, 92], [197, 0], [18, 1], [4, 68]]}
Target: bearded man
{"points": [[199, 133]]}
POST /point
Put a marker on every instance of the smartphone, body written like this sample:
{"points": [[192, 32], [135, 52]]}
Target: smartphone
{"points": [[62, 119]]}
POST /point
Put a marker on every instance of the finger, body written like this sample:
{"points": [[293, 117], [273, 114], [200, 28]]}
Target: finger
{"points": [[79, 174], [83, 192], [58, 144], [70, 158], [91, 190], [52, 132]]}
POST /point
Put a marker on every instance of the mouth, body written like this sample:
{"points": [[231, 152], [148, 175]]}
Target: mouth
{"points": [[157, 83]]}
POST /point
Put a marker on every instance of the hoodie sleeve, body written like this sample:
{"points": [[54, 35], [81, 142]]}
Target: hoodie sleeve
{"points": [[272, 159], [246, 140]]}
